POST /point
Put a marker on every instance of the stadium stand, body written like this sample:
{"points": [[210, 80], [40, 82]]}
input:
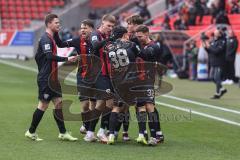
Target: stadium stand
{"points": [[18, 14]]}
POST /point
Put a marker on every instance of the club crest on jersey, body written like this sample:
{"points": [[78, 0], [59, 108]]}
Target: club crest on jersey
{"points": [[94, 38], [47, 47]]}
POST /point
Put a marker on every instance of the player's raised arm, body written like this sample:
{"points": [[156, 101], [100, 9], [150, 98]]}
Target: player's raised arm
{"points": [[96, 42]]}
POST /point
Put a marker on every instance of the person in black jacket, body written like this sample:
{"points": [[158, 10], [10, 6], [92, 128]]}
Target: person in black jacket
{"points": [[232, 46], [216, 56], [49, 88]]}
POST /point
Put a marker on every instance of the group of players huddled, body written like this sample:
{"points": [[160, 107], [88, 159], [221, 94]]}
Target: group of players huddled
{"points": [[116, 69]]}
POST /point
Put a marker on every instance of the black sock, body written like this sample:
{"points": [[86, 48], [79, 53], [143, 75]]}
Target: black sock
{"points": [[86, 125], [118, 124], [86, 119], [37, 116], [105, 118], [151, 123], [157, 123], [113, 122], [142, 118], [58, 116], [95, 114], [126, 121]]}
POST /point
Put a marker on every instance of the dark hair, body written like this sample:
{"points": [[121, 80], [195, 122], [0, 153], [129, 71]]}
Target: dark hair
{"points": [[135, 19], [119, 31], [142, 28], [109, 18], [49, 18], [88, 22]]}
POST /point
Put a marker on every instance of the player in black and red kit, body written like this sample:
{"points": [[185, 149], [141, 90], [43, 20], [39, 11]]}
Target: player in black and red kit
{"points": [[99, 39], [150, 52], [85, 68], [132, 23], [49, 88], [122, 54]]}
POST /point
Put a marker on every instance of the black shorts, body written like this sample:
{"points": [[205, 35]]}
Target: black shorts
{"points": [[47, 92], [148, 96], [104, 89], [86, 90]]}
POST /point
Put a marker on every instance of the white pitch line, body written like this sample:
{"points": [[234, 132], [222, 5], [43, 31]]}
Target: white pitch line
{"points": [[18, 66], [202, 104], [29, 68], [199, 113], [157, 102]]}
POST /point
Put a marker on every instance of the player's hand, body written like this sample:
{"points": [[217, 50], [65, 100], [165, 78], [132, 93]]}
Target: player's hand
{"points": [[72, 59], [112, 38]]}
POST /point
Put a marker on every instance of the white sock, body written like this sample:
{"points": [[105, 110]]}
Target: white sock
{"points": [[83, 127], [90, 133], [101, 131], [159, 133], [111, 135], [145, 132], [141, 135]]}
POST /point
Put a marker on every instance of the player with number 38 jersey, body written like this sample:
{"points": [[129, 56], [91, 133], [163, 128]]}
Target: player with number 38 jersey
{"points": [[122, 56]]}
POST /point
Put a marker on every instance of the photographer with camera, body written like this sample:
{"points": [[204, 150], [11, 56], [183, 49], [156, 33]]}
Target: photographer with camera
{"points": [[216, 56]]}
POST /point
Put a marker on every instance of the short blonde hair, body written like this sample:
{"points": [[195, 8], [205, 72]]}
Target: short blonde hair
{"points": [[109, 18]]}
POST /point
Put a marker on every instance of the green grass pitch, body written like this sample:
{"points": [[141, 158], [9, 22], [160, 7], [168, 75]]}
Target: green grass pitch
{"points": [[188, 136]]}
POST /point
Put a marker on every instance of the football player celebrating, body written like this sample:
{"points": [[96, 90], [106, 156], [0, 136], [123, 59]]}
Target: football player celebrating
{"points": [[48, 84], [85, 67]]}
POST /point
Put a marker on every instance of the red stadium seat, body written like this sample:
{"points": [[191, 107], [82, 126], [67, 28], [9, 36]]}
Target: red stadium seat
{"points": [[20, 15], [41, 16], [39, 3], [5, 15], [41, 9], [4, 9], [54, 3], [20, 27], [11, 3], [34, 15], [26, 3], [61, 3], [13, 22], [26, 9], [27, 15], [12, 15], [3, 3], [19, 9], [48, 4], [34, 9], [18, 3], [27, 22], [11, 9], [33, 3]]}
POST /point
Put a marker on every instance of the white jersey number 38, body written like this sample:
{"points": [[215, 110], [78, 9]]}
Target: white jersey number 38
{"points": [[119, 58]]}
